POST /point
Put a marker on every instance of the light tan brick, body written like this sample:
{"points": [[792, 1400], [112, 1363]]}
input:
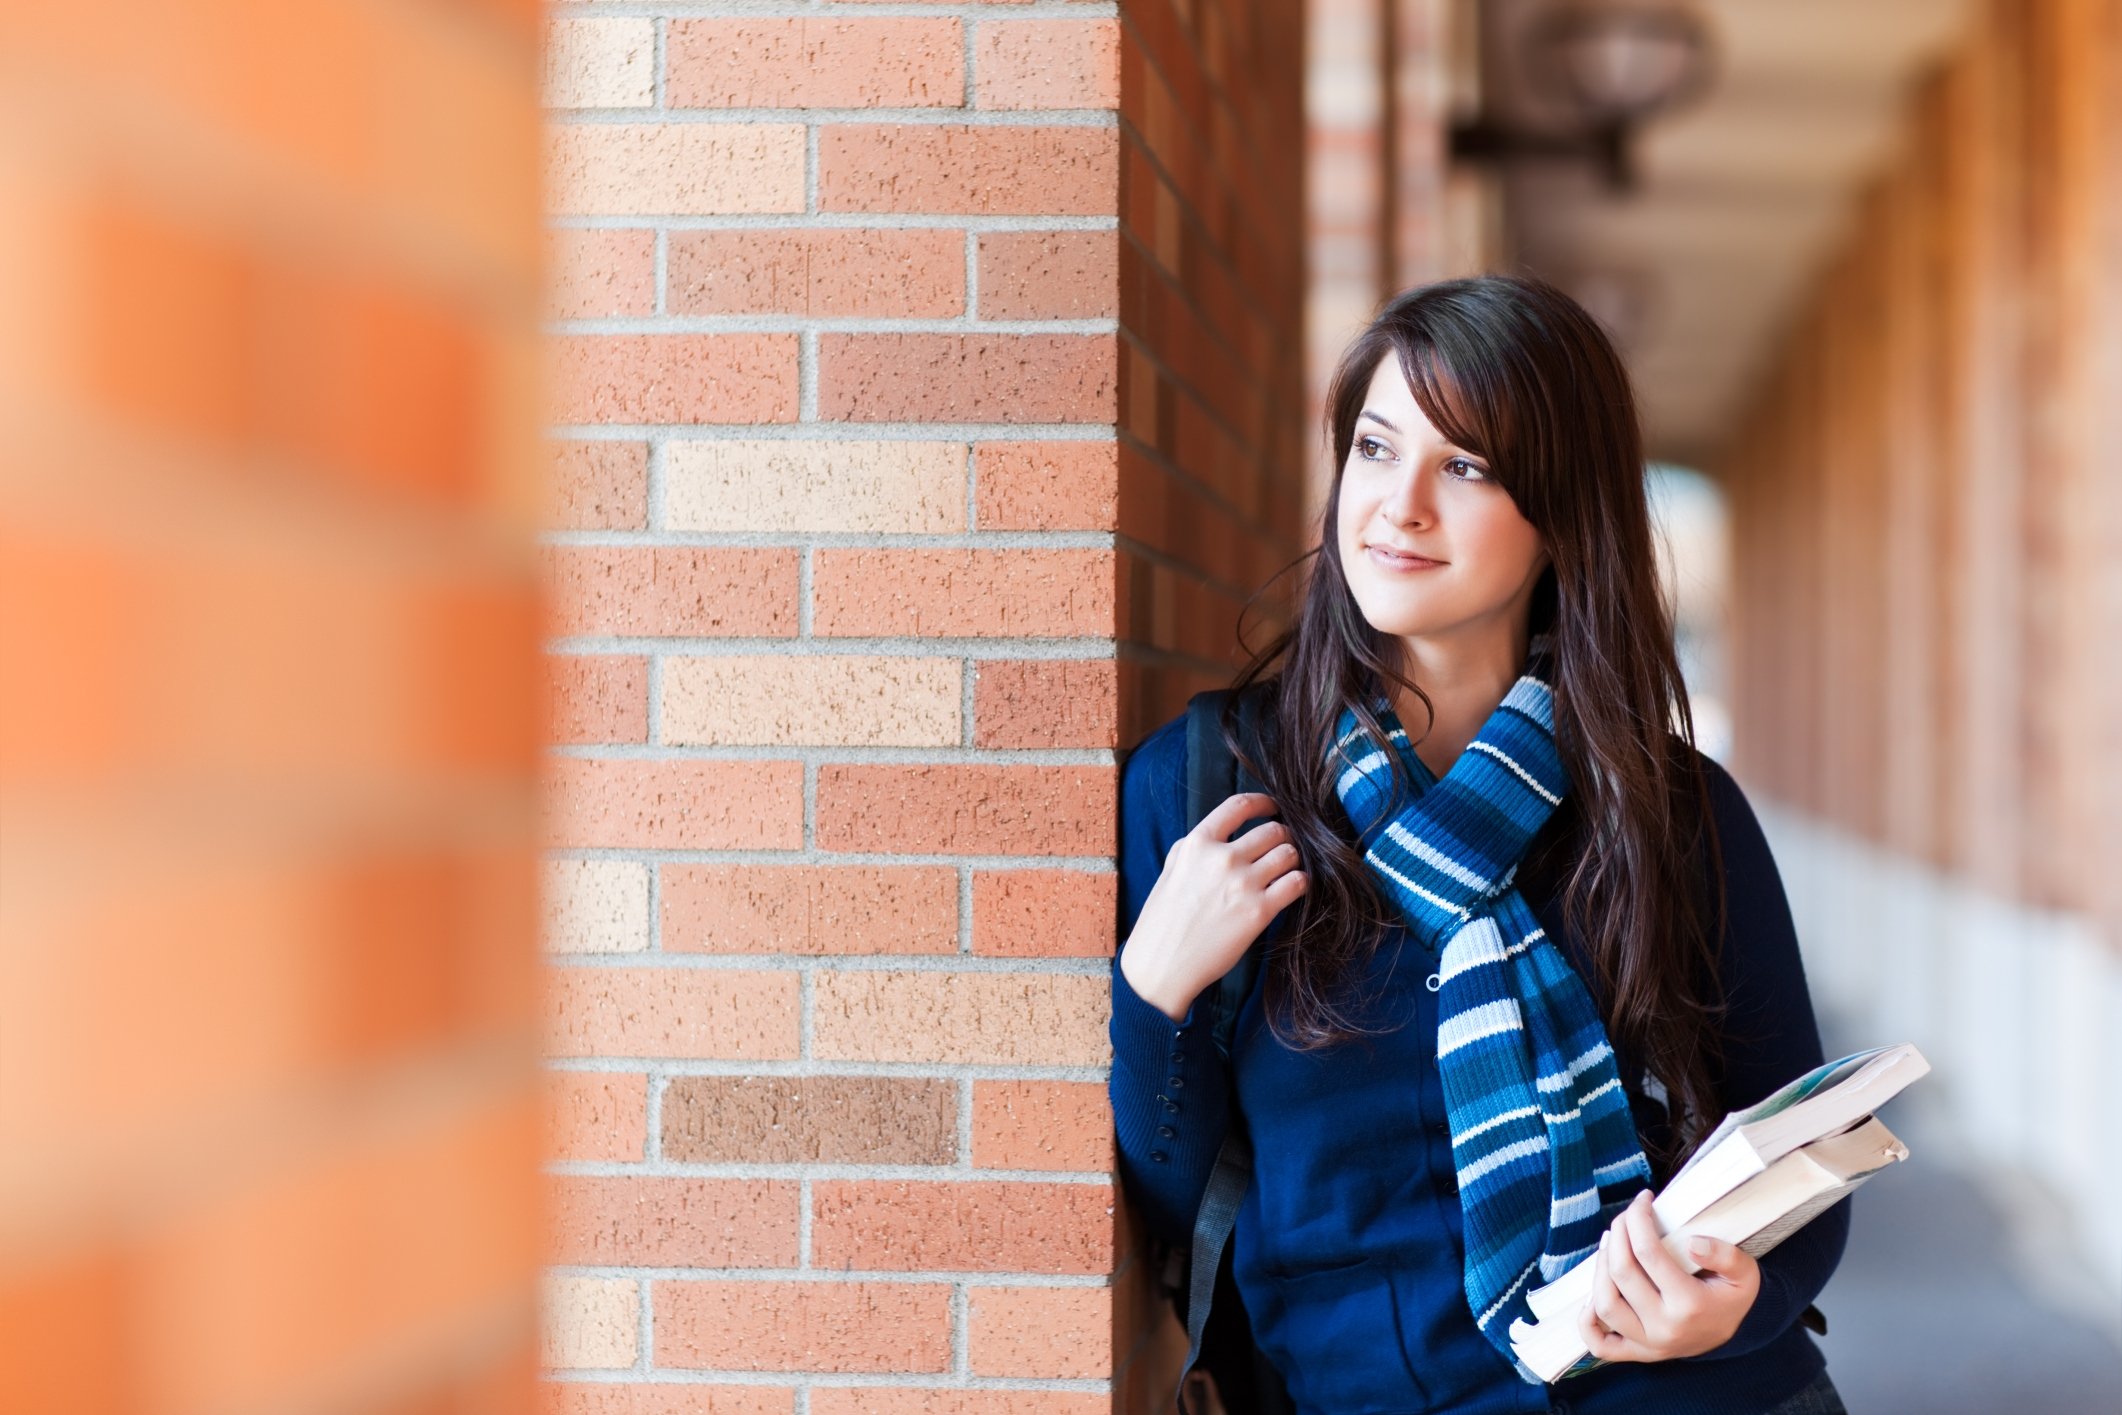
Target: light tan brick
{"points": [[986, 377], [809, 909], [600, 63], [674, 378], [1055, 1333], [1046, 702], [814, 62], [700, 1013], [596, 906], [803, 1326], [954, 168], [596, 1115], [1002, 1019], [810, 1120], [673, 805], [589, 1323], [879, 273], [648, 1220], [1047, 64], [962, 1226], [1062, 593], [815, 487], [960, 808], [1044, 913], [1042, 1125], [813, 699], [600, 274], [1046, 486], [677, 169], [672, 589]]}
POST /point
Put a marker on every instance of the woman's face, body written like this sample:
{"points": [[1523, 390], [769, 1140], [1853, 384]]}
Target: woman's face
{"points": [[1407, 489]]}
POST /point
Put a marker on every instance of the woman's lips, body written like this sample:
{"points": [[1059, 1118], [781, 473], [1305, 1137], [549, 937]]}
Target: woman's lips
{"points": [[1400, 564]]}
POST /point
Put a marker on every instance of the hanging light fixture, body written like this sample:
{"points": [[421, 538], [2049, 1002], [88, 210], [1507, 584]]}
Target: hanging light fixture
{"points": [[1615, 64]]}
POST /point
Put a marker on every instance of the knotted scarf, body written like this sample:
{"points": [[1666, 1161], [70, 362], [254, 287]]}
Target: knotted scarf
{"points": [[1542, 1138]]}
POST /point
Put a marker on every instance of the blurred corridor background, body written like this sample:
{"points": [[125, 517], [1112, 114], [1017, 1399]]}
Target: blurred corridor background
{"points": [[575, 580]]}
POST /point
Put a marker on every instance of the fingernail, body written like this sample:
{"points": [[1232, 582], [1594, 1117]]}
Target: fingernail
{"points": [[1701, 1247]]}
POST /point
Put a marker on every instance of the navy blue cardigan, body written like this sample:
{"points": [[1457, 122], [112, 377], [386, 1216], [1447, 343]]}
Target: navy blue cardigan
{"points": [[1348, 1249]]}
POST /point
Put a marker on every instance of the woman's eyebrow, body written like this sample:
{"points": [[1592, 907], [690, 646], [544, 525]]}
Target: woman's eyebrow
{"points": [[1382, 421]]}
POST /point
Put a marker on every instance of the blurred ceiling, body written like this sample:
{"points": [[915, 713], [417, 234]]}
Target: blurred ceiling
{"points": [[1741, 197]]}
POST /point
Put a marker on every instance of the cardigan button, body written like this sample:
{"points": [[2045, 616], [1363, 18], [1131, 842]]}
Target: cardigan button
{"points": [[1159, 1156], [1165, 1132], [1175, 1082], [1170, 1104], [1178, 1055]]}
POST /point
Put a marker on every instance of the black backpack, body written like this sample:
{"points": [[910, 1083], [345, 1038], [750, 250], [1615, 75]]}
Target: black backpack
{"points": [[1198, 1278]]}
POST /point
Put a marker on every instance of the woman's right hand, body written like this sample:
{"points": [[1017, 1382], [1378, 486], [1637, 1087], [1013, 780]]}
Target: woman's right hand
{"points": [[1214, 897]]}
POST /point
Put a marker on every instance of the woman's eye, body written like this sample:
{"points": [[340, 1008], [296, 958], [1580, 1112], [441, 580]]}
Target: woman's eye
{"points": [[1365, 443], [1462, 468]]}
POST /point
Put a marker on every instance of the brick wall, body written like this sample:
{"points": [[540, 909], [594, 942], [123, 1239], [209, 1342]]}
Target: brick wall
{"points": [[269, 1066], [1926, 513], [925, 389]]}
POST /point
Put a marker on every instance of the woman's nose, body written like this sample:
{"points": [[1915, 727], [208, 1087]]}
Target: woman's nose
{"points": [[1407, 502]]}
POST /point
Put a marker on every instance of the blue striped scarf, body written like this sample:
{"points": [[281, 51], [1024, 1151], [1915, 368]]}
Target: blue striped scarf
{"points": [[1542, 1138]]}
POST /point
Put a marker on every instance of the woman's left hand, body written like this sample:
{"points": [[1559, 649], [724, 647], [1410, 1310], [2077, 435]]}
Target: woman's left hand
{"points": [[1645, 1307]]}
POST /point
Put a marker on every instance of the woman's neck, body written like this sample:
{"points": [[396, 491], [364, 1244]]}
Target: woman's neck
{"points": [[1465, 680]]}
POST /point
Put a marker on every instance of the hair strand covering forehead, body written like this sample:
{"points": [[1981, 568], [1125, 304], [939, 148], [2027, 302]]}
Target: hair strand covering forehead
{"points": [[1459, 395]]}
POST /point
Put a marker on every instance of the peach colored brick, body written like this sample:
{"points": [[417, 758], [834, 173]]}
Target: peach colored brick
{"points": [[674, 805], [1049, 274], [676, 169], [804, 62], [880, 1225], [662, 1398], [596, 1115], [1046, 702], [1000, 378], [600, 63], [918, 1400], [674, 378], [813, 699], [600, 274], [1042, 1125], [810, 1120], [803, 1326], [814, 487], [596, 906], [1044, 913], [700, 1013], [972, 807], [597, 698], [672, 589], [997, 1019], [810, 910], [1046, 486], [1055, 1333], [1019, 592], [970, 169], [877, 273], [589, 1323], [647, 1220], [598, 486], [1047, 64]]}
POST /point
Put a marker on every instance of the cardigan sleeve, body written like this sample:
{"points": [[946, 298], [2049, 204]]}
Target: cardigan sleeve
{"points": [[1771, 1037], [1169, 1086]]}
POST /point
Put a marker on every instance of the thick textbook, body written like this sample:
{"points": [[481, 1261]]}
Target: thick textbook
{"points": [[1762, 1174]]}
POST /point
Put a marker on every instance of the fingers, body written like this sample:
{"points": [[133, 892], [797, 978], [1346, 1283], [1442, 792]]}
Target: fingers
{"points": [[1609, 1302], [1671, 1280], [1260, 841], [1234, 811], [1727, 1260]]}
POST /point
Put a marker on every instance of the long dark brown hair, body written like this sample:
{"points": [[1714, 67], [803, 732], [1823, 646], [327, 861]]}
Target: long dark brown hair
{"points": [[1514, 371]]}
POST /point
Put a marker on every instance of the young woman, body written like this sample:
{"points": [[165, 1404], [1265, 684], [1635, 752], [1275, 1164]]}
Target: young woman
{"points": [[1524, 944]]}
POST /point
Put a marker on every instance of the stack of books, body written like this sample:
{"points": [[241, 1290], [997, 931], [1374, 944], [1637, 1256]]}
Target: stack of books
{"points": [[1760, 1176]]}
